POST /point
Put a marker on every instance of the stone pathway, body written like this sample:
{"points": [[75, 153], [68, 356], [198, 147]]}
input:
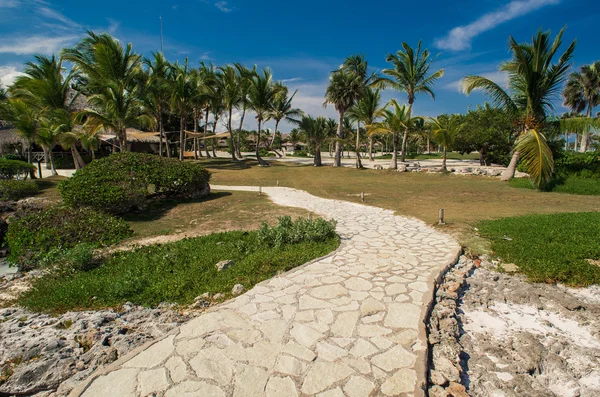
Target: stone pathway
{"points": [[350, 324]]}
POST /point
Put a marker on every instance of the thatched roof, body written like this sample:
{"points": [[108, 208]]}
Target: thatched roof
{"points": [[135, 136], [8, 136]]}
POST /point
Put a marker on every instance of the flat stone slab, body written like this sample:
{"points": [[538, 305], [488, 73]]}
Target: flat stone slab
{"points": [[350, 324]]}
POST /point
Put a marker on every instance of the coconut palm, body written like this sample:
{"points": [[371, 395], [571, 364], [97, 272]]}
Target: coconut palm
{"points": [[24, 118], [217, 107], [182, 90], [316, 131], [345, 88], [45, 87], [207, 73], [262, 94], [410, 74], [108, 77], [396, 119], [156, 94], [244, 76], [229, 88], [366, 111], [582, 92], [283, 110], [534, 81], [444, 129]]}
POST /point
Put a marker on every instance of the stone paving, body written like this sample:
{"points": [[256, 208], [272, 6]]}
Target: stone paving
{"points": [[350, 324]]}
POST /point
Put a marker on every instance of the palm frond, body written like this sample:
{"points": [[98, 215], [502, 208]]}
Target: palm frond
{"points": [[536, 155]]}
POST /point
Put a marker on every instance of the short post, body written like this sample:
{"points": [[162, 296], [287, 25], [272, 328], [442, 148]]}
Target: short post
{"points": [[277, 182], [362, 196], [310, 216], [260, 191], [39, 163], [441, 217]]}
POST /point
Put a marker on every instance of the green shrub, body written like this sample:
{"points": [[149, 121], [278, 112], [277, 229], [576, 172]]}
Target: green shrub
{"points": [[123, 181], [41, 236], [14, 189], [14, 156], [10, 169], [293, 232]]}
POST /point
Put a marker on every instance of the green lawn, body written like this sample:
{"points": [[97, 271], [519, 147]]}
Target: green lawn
{"points": [[549, 248], [175, 272], [571, 184]]}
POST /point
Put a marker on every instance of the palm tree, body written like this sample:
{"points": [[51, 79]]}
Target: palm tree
{"points": [[261, 96], [182, 90], [396, 118], [444, 129], [217, 106], [208, 75], [366, 111], [229, 87], [344, 89], [244, 76], [108, 78], [410, 74], [156, 94], [24, 117], [283, 110], [45, 87], [316, 132], [533, 82], [582, 92]]}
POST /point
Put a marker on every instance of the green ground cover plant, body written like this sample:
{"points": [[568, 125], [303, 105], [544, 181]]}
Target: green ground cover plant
{"points": [[562, 248], [175, 272], [15, 189]]}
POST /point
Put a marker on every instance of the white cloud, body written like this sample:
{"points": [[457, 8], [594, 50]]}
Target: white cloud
{"points": [[460, 37], [223, 6], [8, 74], [49, 13], [35, 44], [291, 80], [9, 3]]}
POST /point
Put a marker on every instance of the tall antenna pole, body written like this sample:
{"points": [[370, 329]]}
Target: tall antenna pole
{"points": [[161, 38]]}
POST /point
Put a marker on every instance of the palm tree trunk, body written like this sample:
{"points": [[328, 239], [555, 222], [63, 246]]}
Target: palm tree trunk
{"points": [[358, 162], [428, 151], [213, 140], [338, 143], [258, 158], [394, 162], [371, 149], [317, 157], [46, 158], [181, 136], [509, 173], [444, 168], [160, 132], [231, 137], [195, 140], [239, 135], [585, 135], [77, 160], [206, 133], [52, 167], [404, 142]]}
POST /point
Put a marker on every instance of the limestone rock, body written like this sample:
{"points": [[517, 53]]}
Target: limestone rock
{"points": [[237, 289], [223, 265]]}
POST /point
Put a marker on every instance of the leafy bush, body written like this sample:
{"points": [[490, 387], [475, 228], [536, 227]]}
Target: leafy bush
{"points": [[13, 189], [10, 169], [14, 156], [293, 232], [38, 237], [300, 153], [123, 181]]}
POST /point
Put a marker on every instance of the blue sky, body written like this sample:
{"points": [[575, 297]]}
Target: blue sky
{"points": [[302, 41]]}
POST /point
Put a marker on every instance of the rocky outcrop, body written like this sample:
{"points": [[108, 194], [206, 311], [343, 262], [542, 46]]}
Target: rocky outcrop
{"points": [[494, 333], [39, 352]]}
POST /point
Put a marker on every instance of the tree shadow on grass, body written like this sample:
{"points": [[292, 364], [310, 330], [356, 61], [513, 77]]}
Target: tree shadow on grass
{"points": [[227, 164], [158, 207]]}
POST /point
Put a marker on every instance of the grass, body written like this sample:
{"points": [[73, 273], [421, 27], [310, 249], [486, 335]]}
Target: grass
{"points": [[49, 187], [572, 184], [465, 199], [549, 248], [218, 212], [175, 272]]}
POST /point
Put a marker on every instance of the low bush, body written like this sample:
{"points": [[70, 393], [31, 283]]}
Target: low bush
{"points": [[174, 272], [14, 189], [44, 235], [11, 169], [288, 231], [124, 181]]}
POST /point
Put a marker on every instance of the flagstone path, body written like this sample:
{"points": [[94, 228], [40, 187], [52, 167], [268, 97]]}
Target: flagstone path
{"points": [[350, 324]]}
